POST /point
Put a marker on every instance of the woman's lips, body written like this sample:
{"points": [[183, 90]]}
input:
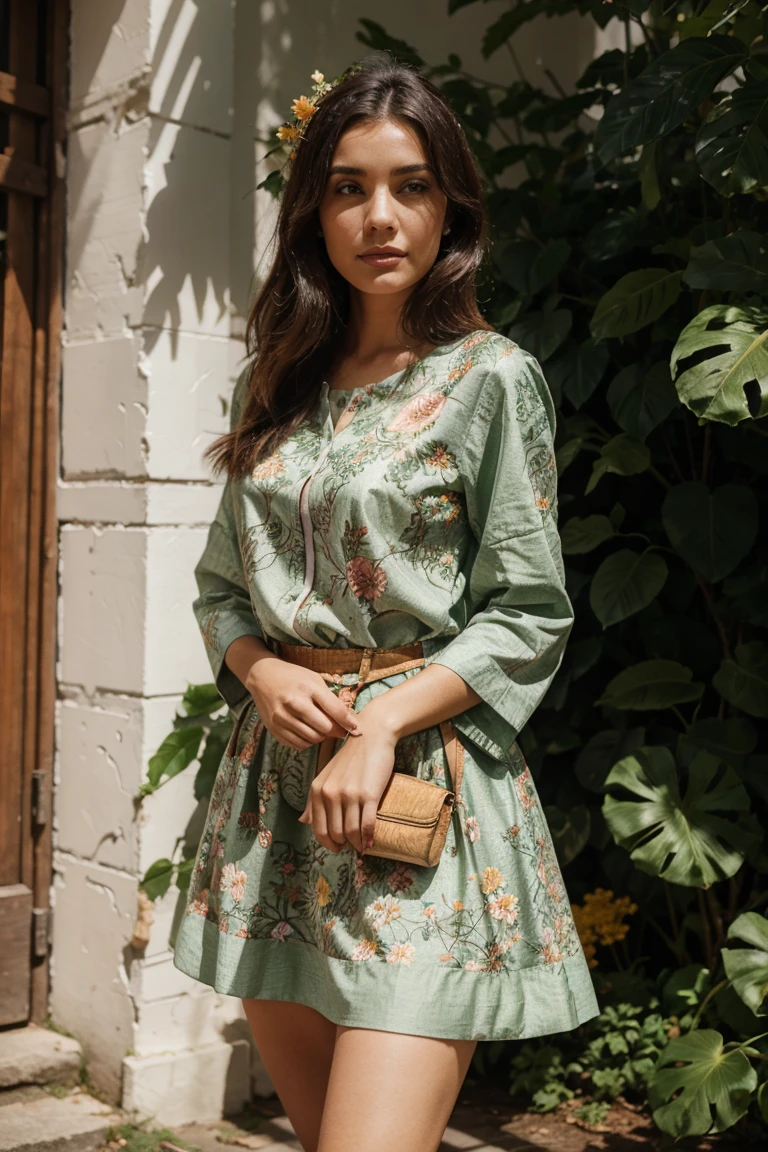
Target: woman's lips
{"points": [[388, 260]]}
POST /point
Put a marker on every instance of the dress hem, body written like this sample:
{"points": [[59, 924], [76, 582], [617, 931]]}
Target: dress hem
{"points": [[505, 1005]]}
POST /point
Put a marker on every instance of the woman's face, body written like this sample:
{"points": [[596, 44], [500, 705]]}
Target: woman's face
{"points": [[382, 193]]}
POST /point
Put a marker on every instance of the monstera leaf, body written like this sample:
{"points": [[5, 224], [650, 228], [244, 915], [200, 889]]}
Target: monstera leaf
{"points": [[714, 388], [712, 531], [731, 146], [711, 1089], [682, 839], [747, 968]]}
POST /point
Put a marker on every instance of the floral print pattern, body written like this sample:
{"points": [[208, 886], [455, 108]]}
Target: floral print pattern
{"points": [[421, 521]]}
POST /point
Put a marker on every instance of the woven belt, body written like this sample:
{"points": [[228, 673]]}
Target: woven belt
{"points": [[368, 664]]}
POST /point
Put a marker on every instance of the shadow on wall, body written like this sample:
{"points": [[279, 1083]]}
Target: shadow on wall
{"points": [[223, 75]]}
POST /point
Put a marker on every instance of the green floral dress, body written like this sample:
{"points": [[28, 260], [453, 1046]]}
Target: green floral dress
{"points": [[430, 515]]}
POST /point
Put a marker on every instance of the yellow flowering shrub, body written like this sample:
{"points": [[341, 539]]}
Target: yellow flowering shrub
{"points": [[601, 920]]}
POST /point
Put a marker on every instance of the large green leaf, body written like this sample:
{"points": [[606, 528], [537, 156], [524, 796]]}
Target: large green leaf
{"points": [[202, 700], [712, 531], [157, 879], [666, 92], [176, 753], [747, 968], [635, 301], [577, 370], [650, 685], [732, 739], [743, 682], [528, 268], [709, 1093], [601, 752], [570, 830], [623, 455], [625, 583], [682, 839], [542, 333], [714, 388], [641, 398], [583, 535], [735, 263], [732, 144]]}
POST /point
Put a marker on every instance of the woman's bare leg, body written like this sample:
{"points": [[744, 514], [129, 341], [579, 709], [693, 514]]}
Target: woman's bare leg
{"points": [[296, 1044], [388, 1090]]}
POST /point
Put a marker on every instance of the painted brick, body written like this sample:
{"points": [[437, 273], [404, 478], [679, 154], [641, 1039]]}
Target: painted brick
{"points": [[104, 409], [94, 910], [105, 207], [189, 391], [99, 752], [175, 655], [185, 263], [103, 608]]}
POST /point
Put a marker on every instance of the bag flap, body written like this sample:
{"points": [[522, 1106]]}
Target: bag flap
{"points": [[410, 800]]}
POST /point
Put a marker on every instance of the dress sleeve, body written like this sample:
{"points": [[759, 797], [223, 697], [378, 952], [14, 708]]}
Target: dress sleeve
{"points": [[223, 606], [518, 613]]}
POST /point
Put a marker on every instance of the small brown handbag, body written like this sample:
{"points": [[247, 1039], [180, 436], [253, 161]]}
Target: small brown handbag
{"points": [[413, 815]]}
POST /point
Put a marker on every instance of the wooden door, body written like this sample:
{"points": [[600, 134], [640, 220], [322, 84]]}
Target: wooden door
{"points": [[33, 60]]}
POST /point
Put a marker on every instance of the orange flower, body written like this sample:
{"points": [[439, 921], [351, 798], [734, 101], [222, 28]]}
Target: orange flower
{"points": [[303, 108], [287, 132]]}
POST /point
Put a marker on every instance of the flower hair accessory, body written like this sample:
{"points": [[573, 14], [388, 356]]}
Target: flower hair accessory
{"points": [[291, 131]]}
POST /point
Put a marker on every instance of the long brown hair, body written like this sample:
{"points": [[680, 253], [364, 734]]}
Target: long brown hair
{"points": [[300, 312]]}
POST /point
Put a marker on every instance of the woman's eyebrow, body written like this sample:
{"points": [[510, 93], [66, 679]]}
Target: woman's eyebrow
{"points": [[348, 170]]}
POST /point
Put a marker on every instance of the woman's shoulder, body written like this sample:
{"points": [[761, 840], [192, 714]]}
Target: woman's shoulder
{"points": [[486, 349], [492, 369]]}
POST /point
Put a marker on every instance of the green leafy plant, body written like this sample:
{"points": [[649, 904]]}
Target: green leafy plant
{"points": [[630, 254], [629, 228], [200, 734]]}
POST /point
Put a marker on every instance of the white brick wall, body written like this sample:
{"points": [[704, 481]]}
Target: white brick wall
{"points": [[165, 240]]}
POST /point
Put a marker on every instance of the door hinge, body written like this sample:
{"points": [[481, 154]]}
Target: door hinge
{"points": [[41, 798], [41, 919]]}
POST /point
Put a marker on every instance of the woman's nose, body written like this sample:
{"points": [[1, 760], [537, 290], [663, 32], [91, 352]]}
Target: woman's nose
{"points": [[381, 210]]}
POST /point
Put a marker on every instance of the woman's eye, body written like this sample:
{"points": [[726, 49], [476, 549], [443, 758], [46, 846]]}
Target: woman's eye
{"points": [[411, 186]]}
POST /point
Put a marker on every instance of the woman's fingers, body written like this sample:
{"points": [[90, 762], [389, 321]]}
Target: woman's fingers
{"points": [[338, 709], [368, 822]]}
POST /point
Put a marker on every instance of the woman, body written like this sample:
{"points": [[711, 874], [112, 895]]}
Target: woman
{"points": [[390, 485]]}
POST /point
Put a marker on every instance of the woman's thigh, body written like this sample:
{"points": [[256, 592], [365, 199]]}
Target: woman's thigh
{"points": [[296, 1044], [389, 1090]]}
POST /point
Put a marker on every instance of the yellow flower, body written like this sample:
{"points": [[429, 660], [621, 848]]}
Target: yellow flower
{"points": [[601, 920], [303, 108], [287, 132], [323, 890], [317, 77]]}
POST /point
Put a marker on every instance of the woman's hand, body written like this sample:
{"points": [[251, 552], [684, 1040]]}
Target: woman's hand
{"points": [[296, 704], [345, 794]]}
